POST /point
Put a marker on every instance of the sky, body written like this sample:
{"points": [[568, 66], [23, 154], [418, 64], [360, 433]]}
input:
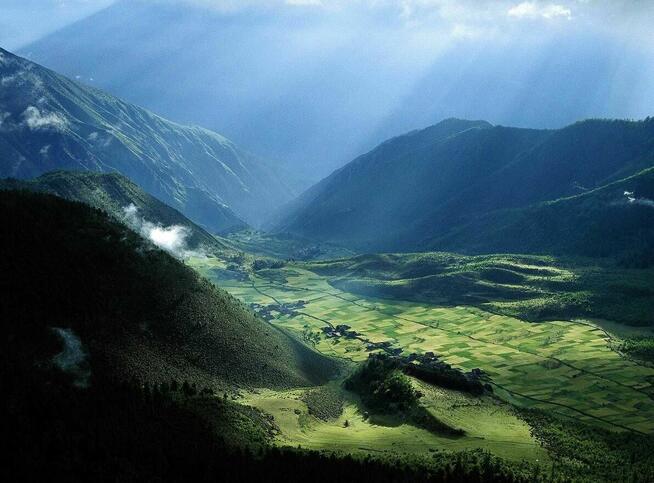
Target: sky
{"points": [[313, 83], [24, 21]]}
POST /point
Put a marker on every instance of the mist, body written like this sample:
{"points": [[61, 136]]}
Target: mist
{"points": [[632, 199], [173, 238], [310, 85], [73, 358]]}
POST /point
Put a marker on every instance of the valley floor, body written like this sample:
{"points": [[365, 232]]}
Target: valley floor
{"points": [[564, 367]]}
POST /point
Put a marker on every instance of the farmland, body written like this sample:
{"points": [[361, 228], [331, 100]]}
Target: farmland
{"points": [[561, 366]]}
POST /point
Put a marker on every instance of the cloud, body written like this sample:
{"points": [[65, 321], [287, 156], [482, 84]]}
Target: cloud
{"points": [[37, 120], [304, 3], [172, 239], [533, 10], [7, 79], [631, 198], [73, 358]]}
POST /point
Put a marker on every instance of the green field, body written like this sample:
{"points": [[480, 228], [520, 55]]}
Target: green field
{"points": [[563, 367], [488, 424]]}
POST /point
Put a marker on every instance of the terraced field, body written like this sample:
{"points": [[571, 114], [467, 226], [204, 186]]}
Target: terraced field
{"points": [[560, 366]]}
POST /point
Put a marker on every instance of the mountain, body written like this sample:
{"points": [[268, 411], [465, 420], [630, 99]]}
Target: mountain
{"points": [[415, 191], [49, 122], [136, 311], [114, 193]]}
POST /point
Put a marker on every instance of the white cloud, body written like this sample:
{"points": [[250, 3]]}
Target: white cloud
{"points": [[73, 358], [7, 79], [536, 10], [304, 3], [37, 120], [638, 201], [172, 239]]}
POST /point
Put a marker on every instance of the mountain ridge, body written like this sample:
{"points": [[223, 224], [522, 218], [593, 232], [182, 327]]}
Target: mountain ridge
{"points": [[407, 191], [114, 194], [51, 122]]}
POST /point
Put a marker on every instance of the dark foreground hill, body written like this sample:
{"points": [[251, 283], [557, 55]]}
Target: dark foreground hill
{"points": [[50, 122], [417, 191], [115, 356], [114, 193], [137, 311]]}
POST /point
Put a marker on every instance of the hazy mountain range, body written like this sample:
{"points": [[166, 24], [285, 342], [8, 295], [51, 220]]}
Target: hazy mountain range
{"points": [[459, 185], [312, 87]]}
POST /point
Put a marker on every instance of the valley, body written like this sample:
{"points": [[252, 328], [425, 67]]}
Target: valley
{"points": [[425, 253], [562, 367]]}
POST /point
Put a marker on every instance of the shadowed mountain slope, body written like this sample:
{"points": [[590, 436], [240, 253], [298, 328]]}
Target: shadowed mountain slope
{"points": [[114, 193], [49, 122], [137, 311], [417, 189]]}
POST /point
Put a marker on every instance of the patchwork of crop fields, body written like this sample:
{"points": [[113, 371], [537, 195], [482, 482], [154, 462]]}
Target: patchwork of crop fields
{"points": [[560, 366]]}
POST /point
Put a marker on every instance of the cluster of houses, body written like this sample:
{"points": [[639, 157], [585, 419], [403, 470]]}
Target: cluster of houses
{"points": [[427, 366], [266, 311], [346, 331]]}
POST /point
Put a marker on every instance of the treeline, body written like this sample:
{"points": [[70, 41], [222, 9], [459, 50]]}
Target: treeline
{"points": [[385, 389], [590, 454], [127, 431], [638, 347], [443, 375]]}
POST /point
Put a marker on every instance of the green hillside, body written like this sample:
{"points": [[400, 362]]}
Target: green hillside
{"points": [[137, 311], [416, 191], [113, 193], [50, 122], [529, 287]]}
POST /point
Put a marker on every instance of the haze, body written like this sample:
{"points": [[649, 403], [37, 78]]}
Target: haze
{"points": [[310, 84]]}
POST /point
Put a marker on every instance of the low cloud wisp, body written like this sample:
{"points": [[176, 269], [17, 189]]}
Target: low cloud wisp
{"points": [[172, 239], [638, 201], [73, 358], [37, 120]]}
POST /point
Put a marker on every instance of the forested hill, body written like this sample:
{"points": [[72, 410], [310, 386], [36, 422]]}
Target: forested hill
{"points": [[50, 122], [137, 311], [415, 190], [114, 193]]}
